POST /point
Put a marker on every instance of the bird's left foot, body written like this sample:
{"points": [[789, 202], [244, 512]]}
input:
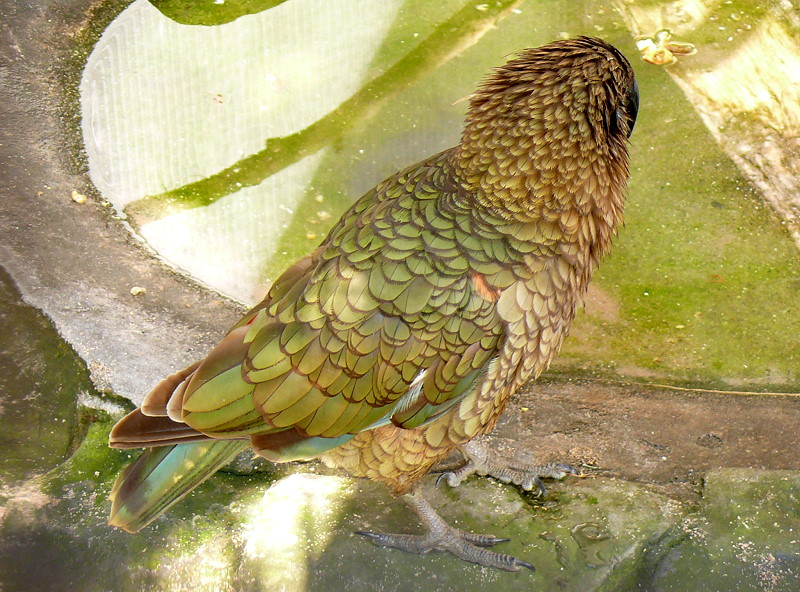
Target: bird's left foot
{"points": [[441, 536], [479, 462]]}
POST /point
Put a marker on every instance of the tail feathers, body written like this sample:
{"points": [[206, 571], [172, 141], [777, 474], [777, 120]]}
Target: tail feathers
{"points": [[166, 398], [160, 477], [137, 430]]}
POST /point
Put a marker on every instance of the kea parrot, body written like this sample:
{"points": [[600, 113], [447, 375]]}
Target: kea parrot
{"points": [[431, 301]]}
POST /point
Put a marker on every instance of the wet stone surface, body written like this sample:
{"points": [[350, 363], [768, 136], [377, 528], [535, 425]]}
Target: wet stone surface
{"points": [[292, 528], [41, 380], [296, 533], [745, 535]]}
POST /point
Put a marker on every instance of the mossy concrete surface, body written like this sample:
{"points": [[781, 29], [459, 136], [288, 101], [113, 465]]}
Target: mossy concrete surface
{"points": [[293, 530], [39, 384], [745, 535]]}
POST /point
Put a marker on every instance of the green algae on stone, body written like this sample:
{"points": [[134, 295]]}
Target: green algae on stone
{"points": [[573, 543], [239, 533], [191, 12], [585, 535], [41, 378], [54, 533], [93, 461], [745, 535]]}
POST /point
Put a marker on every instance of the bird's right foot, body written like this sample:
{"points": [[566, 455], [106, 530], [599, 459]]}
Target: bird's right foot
{"points": [[441, 536]]}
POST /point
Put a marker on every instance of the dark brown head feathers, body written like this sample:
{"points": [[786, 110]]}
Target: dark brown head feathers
{"points": [[565, 69], [536, 124]]}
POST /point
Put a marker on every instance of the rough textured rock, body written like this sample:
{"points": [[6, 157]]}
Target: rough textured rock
{"points": [[293, 530]]}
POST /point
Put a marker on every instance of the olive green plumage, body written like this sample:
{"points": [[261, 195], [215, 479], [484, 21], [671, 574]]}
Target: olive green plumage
{"points": [[431, 301]]}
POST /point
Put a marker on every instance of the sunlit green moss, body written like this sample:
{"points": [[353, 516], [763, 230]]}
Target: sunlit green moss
{"points": [[209, 12], [742, 537], [39, 420], [705, 276], [93, 461]]}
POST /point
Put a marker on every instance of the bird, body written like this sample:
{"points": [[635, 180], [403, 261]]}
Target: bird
{"points": [[438, 294]]}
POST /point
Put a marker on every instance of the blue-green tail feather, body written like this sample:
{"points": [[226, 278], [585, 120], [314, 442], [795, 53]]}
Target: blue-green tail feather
{"points": [[162, 476]]}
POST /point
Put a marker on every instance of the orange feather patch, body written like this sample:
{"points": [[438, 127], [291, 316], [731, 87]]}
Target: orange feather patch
{"points": [[481, 287]]}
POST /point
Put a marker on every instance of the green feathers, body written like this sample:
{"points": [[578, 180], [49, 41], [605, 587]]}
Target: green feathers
{"points": [[162, 476], [341, 336]]}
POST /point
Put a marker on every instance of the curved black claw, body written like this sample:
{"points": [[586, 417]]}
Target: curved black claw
{"points": [[522, 563], [369, 534], [538, 484]]}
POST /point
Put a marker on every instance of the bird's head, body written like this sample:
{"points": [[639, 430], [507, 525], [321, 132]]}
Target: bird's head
{"points": [[537, 124], [558, 89]]}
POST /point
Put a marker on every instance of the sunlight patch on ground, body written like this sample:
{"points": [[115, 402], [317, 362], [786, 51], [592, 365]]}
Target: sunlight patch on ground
{"points": [[291, 525]]}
